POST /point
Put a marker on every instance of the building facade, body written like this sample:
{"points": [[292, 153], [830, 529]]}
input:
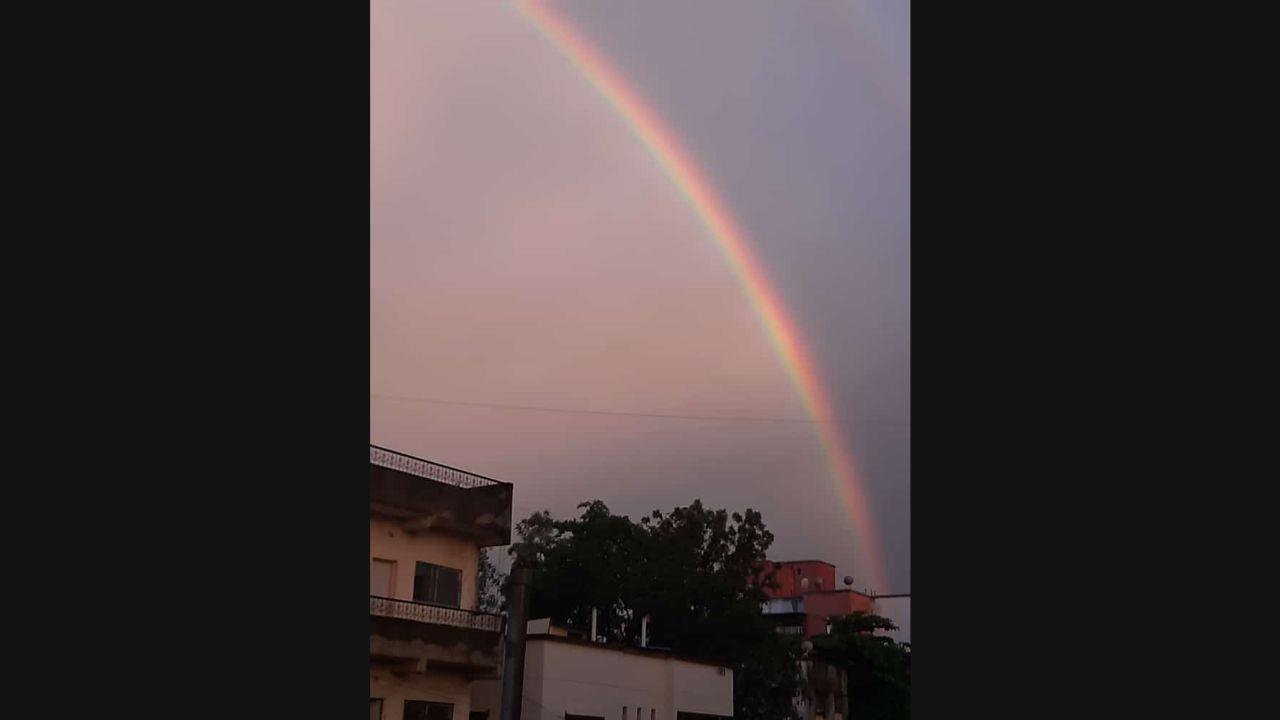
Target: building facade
{"points": [[807, 595], [573, 678], [427, 642], [805, 598]]}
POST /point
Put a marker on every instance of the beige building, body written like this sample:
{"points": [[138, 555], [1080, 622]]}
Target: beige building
{"points": [[427, 642], [568, 678]]}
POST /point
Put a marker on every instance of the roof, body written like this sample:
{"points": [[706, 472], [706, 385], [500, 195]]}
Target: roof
{"points": [[827, 592], [627, 649], [428, 469]]}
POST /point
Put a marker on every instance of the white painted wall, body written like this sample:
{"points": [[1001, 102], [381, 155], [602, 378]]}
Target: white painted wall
{"points": [[564, 677]]}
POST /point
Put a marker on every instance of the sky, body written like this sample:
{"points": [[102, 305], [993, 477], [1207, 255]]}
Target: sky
{"points": [[528, 251]]}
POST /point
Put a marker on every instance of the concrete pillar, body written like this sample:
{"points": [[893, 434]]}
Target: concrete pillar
{"points": [[513, 665]]}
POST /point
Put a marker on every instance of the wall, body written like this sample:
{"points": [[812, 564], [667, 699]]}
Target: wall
{"points": [[701, 688], [482, 512], [387, 541], [567, 677], [486, 694], [818, 606], [791, 573], [395, 688]]}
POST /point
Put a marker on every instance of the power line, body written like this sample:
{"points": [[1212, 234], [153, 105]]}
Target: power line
{"points": [[618, 413]]}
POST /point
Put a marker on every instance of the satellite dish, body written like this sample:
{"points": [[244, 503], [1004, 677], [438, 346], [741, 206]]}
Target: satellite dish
{"points": [[848, 580]]}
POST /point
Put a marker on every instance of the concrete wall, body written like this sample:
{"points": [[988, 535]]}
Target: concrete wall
{"points": [[394, 688], [483, 513], [567, 677], [486, 694], [701, 688], [818, 606], [387, 541], [791, 575]]}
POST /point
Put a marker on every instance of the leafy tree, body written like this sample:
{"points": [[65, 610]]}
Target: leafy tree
{"points": [[692, 571], [878, 667], [488, 584]]}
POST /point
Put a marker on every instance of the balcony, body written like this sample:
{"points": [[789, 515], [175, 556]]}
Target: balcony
{"points": [[429, 470], [784, 606], [434, 614], [423, 496], [414, 636]]}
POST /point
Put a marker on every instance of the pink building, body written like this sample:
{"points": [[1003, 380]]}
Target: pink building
{"points": [[807, 594], [805, 597]]}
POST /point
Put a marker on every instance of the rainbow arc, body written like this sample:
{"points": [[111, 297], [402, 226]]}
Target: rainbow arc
{"points": [[784, 336]]}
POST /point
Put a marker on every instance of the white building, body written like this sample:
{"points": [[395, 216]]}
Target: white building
{"points": [[568, 678]]}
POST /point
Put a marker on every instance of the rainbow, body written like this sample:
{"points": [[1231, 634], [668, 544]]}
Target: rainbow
{"points": [[723, 230]]}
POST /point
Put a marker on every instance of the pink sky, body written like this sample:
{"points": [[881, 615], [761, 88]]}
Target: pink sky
{"points": [[526, 250]]}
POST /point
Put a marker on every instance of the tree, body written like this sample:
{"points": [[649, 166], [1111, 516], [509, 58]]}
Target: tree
{"points": [[878, 667], [692, 572], [488, 584]]}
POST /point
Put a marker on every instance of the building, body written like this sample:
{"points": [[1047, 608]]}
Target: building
{"points": [[807, 594], [427, 642], [824, 691], [573, 678], [805, 598]]}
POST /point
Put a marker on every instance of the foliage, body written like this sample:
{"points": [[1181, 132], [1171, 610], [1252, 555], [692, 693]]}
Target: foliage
{"points": [[691, 571], [488, 585], [879, 667]]}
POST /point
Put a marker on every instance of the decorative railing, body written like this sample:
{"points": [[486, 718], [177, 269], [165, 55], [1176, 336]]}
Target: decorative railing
{"points": [[433, 614], [427, 469]]}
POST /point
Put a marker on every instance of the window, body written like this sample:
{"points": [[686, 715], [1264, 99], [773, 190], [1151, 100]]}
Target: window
{"points": [[570, 716], [437, 585], [382, 575], [422, 710], [375, 708], [479, 715]]}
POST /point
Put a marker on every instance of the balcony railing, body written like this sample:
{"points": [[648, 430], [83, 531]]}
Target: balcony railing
{"points": [[427, 469], [433, 614], [784, 606]]}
